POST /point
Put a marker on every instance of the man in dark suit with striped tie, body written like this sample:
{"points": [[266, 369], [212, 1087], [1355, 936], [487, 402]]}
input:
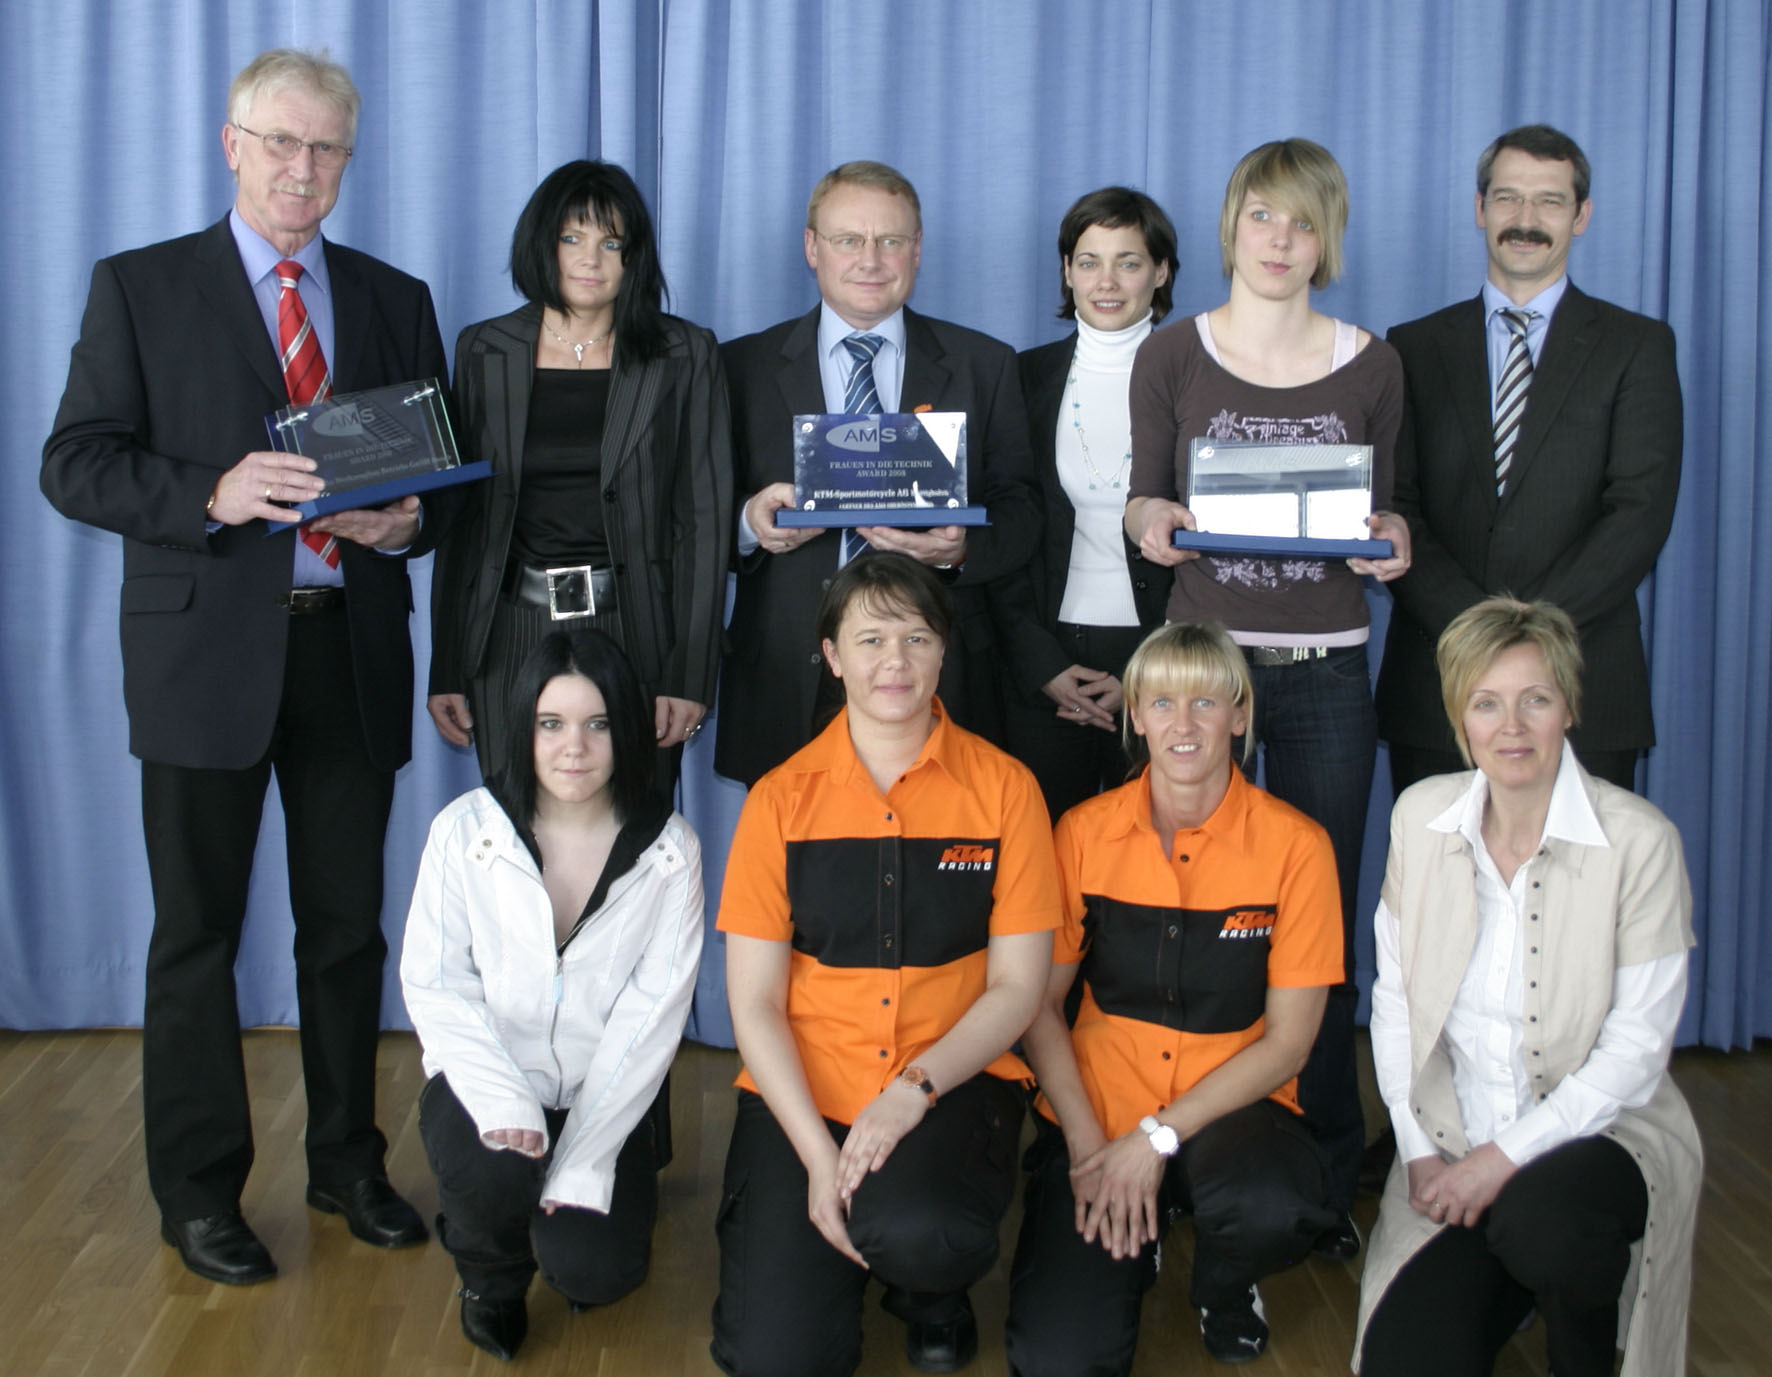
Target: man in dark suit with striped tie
{"points": [[861, 349], [1539, 456], [251, 649]]}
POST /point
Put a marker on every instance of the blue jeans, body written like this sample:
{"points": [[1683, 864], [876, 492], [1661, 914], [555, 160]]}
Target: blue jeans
{"points": [[1317, 738]]}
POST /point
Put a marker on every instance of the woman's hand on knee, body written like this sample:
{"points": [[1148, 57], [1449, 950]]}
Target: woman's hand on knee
{"points": [[1123, 1215], [527, 1141], [827, 1208], [1459, 1192], [891, 1114]]}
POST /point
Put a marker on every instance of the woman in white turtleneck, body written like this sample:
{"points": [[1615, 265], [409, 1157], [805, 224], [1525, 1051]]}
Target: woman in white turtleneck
{"points": [[1074, 616]]}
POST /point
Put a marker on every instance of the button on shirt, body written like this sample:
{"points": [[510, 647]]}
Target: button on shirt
{"points": [[1484, 1032]]}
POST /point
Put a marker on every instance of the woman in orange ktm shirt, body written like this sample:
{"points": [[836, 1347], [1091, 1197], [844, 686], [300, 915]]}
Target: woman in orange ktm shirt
{"points": [[889, 903], [1205, 918]]}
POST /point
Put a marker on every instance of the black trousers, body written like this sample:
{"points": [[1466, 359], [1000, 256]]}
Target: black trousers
{"points": [[491, 1222], [1257, 1185], [201, 828], [1410, 764], [1558, 1236], [790, 1304], [1071, 762]]}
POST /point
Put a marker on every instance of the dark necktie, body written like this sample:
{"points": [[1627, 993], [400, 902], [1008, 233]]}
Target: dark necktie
{"points": [[860, 398], [304, 374], [1510, 393]]}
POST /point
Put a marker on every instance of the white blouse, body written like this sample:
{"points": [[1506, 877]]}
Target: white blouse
{"points": [[1483, 1033]]}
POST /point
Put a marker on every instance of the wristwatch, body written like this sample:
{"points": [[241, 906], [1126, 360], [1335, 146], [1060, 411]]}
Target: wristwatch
{"points": [[918, 1079], [1165, 1141]]}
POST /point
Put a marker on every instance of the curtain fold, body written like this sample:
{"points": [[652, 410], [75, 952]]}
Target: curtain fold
{"points": [[1001, 112]]}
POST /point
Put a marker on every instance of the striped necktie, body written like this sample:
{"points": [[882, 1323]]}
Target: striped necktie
{"points": [[304, 374], [1510, 393], [860, 398]]}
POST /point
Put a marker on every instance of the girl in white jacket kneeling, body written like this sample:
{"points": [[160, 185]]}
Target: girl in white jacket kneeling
{"points": [[549, 962]]}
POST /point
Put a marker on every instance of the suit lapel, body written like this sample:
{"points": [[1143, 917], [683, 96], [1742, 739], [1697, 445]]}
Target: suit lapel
{"points": [[1464, 351], [230, 299], [1046, 391], [633, 397], [925, 375], [802, 389], [509, 377], [352, 308], [1571, 339]]}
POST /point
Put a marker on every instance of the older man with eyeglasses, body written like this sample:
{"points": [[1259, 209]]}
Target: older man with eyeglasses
{"points": [[861, 349], [252, 648]]}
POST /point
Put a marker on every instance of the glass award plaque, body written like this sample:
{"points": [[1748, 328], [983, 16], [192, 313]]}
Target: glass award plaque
{"points": [[897, 469], [376, 446], [1299, 501]]}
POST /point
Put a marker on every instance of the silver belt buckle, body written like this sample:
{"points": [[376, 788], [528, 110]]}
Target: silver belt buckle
{"points": [[570, 592]]}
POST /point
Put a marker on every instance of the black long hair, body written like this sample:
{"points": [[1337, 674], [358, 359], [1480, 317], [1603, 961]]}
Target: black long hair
{"points": [[599, 659], [603, 194]]}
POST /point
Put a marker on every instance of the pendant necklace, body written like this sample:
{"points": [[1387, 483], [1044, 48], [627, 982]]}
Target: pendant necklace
{"points": [[1097, 478], [578, 350]]}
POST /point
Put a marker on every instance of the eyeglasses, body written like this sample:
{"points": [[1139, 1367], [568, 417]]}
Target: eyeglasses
{"points": [[1545, 203], [284, 147], [850, 245]]}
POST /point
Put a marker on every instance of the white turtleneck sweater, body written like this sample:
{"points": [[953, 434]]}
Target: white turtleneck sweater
{"points": [[1094, 457]]}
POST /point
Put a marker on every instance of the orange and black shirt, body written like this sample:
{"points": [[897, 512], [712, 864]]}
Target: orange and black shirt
{"points": [[1178, 952], [888, 899]]}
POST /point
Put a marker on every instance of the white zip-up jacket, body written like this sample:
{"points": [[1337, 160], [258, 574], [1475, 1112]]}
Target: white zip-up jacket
{"points": [[515, 1027]]}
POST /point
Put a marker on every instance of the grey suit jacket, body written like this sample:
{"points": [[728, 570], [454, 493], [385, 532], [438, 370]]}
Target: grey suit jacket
{"points": [[667, 494], [1589, 501], [168, 387]]}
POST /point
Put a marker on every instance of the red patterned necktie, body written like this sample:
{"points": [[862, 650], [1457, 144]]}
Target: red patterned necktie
{"points": [[304, 374]]}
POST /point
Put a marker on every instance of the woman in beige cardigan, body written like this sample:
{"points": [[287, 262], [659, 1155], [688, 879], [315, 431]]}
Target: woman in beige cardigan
{"points": [[1532, 940]]}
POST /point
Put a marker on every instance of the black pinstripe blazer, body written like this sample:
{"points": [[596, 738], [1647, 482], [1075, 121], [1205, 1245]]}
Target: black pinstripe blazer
{"points": [[667, 492]]}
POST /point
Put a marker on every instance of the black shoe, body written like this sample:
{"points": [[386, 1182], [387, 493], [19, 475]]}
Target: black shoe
{"points": [[220, 1247], [1340, 1242], [498, 1326], [374, 1212], [1235, 1333], [942, 1347]]}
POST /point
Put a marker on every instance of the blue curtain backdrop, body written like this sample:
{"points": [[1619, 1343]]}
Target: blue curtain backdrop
{"points": [[1001, 112]]}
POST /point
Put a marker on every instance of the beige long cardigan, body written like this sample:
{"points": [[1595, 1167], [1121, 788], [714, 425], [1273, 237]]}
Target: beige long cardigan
{"points": [[1602, 907]]}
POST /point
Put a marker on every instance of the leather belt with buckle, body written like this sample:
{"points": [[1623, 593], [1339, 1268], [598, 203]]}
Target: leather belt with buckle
{"points": [[568, 592], [301, 601], [1268, 656]]}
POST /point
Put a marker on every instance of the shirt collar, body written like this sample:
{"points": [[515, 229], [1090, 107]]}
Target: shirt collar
{"points": [[1543, 305], [833, 330], [1228, 824], [832, 753], [1570, 818], [260, 257]]}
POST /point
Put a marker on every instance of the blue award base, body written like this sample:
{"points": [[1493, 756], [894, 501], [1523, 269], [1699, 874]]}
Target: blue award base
{"points": [[793, 518], [1280, 547]]}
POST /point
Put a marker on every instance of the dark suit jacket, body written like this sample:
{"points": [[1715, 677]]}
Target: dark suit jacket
{"points": [[168, 387], [1589, 501], [770, 682], [667, 494], [1026, 602]]}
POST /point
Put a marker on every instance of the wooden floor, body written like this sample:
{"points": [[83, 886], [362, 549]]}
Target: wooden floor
{"points": [[88, 1288]]}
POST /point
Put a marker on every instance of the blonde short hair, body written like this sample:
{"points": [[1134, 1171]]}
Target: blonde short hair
{"points": [[1489, 629], [1185, 658], [282, 69], [863, 172], [1304, 180]]}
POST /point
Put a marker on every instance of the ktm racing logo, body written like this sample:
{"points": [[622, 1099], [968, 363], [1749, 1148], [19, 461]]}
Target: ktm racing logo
{"points": [[1247, 923], [967, 856]]}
